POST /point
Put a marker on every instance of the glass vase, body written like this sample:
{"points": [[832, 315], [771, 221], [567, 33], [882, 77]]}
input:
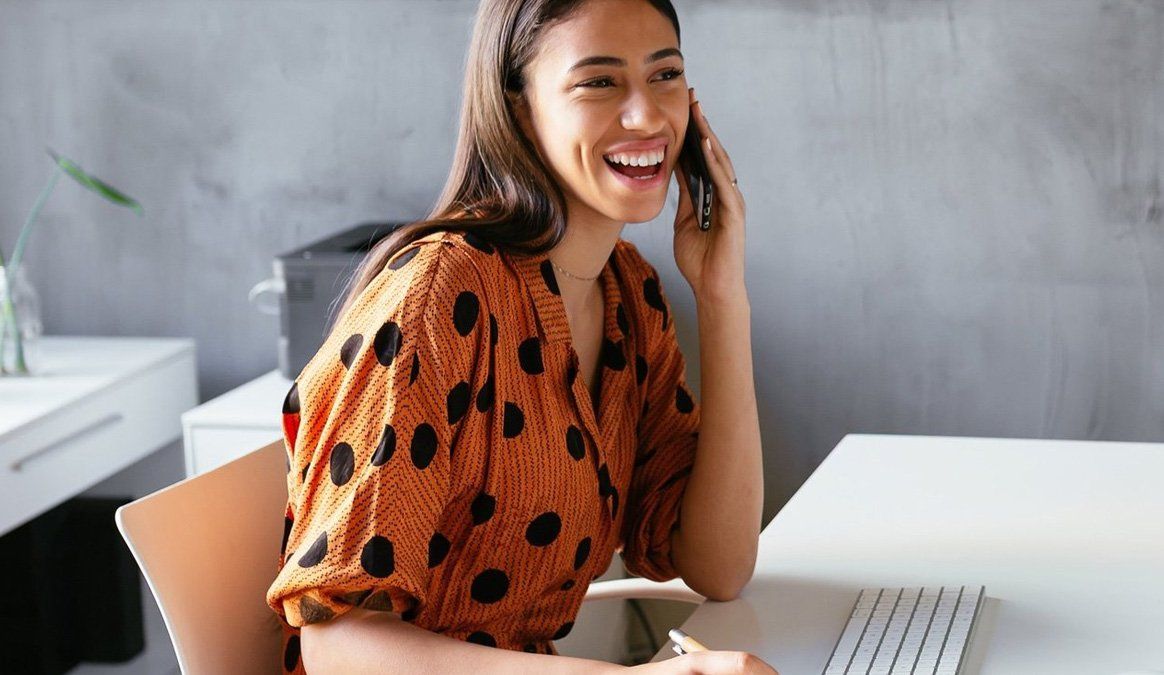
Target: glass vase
{"points": [[20, 324]]}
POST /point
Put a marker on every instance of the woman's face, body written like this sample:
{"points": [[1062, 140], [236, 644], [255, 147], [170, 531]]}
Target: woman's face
{"points": [[608, 81]]}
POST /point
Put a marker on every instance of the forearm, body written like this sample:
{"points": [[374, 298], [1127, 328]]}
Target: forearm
{"points": [[715, 547], [380, 642]]}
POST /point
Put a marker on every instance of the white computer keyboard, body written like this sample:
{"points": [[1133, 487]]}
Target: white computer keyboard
{"points": [[907, 630]]}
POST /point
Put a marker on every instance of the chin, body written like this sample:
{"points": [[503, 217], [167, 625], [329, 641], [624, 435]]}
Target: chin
{"points": [[642, 214]]}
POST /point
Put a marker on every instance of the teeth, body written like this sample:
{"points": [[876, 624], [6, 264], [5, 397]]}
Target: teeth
{"points": [[638, 159]]}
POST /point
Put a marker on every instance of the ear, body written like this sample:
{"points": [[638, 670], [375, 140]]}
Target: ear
{"points": [[521, 111]]}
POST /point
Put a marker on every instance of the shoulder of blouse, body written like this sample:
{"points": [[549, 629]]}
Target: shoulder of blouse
{"points": [[441, 260]]}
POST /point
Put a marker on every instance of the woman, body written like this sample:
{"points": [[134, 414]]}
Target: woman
{"points": [[501, 403]]}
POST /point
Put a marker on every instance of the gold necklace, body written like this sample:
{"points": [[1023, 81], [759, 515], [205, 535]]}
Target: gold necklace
{"points": [[574, 276]]}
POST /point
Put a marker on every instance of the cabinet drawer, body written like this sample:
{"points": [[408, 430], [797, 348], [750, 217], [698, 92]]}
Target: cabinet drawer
{"points": [[65, 452]]}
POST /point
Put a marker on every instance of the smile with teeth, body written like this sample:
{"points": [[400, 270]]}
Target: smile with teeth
{"points": [[637, 165]]}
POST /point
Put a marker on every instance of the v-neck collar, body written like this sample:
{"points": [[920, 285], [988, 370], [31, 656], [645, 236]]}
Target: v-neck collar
{"points": [[537, 272]]}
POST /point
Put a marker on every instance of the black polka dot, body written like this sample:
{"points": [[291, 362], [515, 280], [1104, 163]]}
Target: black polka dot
{"points": [[568, 585], [458, 401], [482, 638], [623, 324], [582, 553], [438, 548], [612, 356], [465, 311], [291, 654], [478, 243], [380, 601], [564, 630], [485, 396], [354, 598], [543, 530], [387, 343], [402, 259], [514, 420], [287, 523], [343, 463], [575, 444], [489, 586], [492, 330], [613, 502], [482, 508], [547, 269], [529, 354], [377, 557], [314, 555], [683, 400], [424, 444], [654, 297], [415, 372], [603, 480], [350, 349], [640, 368], [291, 401], [386, 447], [312, 611], [645, 457]]}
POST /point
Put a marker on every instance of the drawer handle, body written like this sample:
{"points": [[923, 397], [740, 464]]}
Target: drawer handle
{"points": [[92, 426]]}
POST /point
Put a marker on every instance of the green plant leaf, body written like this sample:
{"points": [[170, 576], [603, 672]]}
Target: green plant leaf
{"points": [[95, 184]]}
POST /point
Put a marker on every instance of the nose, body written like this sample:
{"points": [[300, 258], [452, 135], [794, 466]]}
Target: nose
{"points": [[643, 111]]}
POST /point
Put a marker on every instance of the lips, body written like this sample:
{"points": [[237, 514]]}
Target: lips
{"points": [[637, 146]]}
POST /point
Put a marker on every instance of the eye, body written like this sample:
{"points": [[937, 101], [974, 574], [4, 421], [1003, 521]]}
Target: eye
{"points": [[594, 83], [668, 75]]}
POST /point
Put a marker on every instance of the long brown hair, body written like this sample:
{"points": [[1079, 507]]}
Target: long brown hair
{"points": [[498, 187]]}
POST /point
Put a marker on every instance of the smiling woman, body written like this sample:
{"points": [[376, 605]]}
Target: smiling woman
{"points": [[483, 428]]}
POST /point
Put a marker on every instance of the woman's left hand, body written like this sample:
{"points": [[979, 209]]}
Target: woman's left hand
{"points": [[712, 261]]}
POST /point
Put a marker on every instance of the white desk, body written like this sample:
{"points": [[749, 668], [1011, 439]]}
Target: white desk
{"points": [[98, 405], [231, 425], [1067, 537]]}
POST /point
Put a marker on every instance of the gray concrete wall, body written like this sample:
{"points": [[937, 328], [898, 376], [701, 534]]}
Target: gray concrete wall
{"points": [[955, 207]]}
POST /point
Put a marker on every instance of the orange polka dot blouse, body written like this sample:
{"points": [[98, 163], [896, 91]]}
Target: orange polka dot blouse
{"points": [[448, 464]]}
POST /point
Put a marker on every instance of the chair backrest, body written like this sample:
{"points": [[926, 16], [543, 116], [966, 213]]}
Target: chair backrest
{"points": [[208, 547]]}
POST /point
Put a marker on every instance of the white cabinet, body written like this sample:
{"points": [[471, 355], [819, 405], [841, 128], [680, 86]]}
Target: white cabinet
{"points": [[243, 419], [98, 405]]}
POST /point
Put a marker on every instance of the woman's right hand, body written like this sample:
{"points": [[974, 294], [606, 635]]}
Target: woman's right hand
{"points": [[709, 663]]}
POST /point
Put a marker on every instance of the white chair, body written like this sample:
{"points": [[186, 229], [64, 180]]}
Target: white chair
{"points": [[208, 545]]}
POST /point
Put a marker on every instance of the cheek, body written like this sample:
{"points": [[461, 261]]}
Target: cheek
{"points": [[572, 137]]}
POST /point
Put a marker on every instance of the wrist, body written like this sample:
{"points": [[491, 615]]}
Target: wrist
{"points": [[729, 303], [721, 293]]}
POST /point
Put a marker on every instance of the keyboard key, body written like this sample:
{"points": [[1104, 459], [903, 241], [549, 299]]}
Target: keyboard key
{"points": [[915, 630]]}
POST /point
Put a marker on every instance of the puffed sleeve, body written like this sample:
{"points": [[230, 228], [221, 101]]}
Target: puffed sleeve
{"points": [[370, 426], [668, 431]]}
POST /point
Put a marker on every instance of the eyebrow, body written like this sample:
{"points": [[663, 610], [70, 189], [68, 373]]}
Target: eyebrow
{"points": [[615, 61]]}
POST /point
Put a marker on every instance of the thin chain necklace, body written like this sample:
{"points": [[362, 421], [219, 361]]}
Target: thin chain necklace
{"points": [[574, 276]]}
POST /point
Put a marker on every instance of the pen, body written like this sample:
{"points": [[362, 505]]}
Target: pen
{"points": [[684, 643]]}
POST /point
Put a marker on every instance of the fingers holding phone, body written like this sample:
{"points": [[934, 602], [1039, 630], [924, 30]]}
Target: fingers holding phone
{"points": [[719, 165]]}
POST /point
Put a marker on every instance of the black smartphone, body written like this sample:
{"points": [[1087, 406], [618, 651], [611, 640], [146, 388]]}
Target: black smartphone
{"points": [[698, 178]]}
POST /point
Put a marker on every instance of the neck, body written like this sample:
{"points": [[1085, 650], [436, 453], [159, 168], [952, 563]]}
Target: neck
{"points": [[583, 251]]}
